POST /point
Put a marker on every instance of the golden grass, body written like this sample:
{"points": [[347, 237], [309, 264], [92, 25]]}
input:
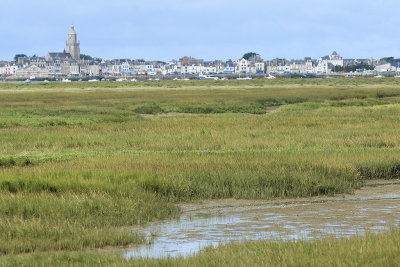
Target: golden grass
{"points": [[79, 166], [371, 250]]}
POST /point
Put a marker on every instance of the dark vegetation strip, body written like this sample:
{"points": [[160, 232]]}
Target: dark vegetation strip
{"points": [[337, 82]]}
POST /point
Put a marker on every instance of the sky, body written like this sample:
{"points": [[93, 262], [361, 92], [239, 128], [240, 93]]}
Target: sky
{"points": [[207, 29]]}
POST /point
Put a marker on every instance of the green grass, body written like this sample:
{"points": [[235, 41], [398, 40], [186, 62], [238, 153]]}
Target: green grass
{"points": [[80, 163], [371, 250]]}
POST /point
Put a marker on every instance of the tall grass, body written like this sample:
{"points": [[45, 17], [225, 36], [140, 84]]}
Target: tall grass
{"points": [[370, 250], [47, 220], [77, 167]]}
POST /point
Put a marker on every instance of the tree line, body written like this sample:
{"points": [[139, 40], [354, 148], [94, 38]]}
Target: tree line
{"points": [[353, 67]]}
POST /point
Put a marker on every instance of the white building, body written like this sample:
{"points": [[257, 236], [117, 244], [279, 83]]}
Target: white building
{"points": [[192, 69], [32, 70], [125, 67], [387, 67], [322, 67], [9, 70], [229, 69], [208, 69], [335, 59], [259, 67], [242, 66]]}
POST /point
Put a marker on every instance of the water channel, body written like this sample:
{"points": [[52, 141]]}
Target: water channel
{"points": [[374, 208]]}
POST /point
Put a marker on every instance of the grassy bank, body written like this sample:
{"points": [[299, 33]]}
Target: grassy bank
{"points": [[80, 164], [371, 250]]}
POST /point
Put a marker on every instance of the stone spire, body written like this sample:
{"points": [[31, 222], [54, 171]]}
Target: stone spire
{"points": [[72, 45]]}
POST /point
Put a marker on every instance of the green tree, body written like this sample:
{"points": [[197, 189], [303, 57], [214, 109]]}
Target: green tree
{"points": [[354, 67], [18, 55], [390, 59], [248, 55], [86, 57], [338, 68]]}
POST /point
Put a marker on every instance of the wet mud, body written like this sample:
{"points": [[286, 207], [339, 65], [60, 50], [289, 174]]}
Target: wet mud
{"points": [[374, 208]]}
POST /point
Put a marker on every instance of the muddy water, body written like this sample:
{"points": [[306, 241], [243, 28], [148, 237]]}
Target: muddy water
{"points": [[374, 208]]}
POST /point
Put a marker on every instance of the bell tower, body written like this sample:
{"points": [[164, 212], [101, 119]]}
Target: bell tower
{"points": [[72, 45]]}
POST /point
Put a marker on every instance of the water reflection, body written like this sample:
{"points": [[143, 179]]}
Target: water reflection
{"points": [[200, 227]]}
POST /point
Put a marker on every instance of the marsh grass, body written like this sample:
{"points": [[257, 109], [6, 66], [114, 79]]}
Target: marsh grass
{"points": [[379, 169], [370, 250], [78, 167], [45, 220]]}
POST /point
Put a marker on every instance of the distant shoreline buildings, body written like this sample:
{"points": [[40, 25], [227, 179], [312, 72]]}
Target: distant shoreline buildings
{"points": [[70, 64]]}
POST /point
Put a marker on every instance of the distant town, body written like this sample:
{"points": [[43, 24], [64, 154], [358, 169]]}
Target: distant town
{"points": [[70, 63]]}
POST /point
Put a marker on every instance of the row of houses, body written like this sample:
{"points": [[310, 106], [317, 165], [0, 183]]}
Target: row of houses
{"points": [[63, 65], [60, 64], [70, 63]]}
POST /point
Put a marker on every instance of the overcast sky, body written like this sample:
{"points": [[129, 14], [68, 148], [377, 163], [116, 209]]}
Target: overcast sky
{"points": [[209, 29]]}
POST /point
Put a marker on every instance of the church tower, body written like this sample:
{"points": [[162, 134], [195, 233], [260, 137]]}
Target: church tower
{"points": [[72, 45]]}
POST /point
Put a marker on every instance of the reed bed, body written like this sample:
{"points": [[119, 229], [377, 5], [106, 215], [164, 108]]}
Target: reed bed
{"points": [[81, 163], [370, 250]]}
